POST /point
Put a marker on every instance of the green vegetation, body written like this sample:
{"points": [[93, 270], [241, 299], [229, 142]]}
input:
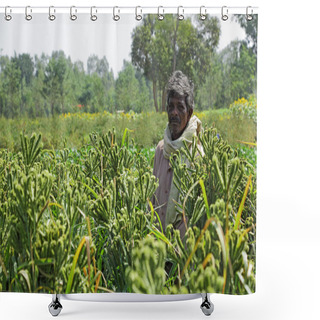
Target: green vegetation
{"points": [[80, 221], [73, 130], [75, 210], [50, 85]]}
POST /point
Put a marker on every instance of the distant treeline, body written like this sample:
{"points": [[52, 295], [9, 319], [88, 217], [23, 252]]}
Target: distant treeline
{"points": [[47, 85]]}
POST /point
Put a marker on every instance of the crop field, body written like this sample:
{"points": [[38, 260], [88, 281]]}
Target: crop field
{"points": [[76, 213]]}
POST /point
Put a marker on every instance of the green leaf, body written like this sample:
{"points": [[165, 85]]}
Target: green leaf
{"points": [[91, 190], [238, 217], [74, 263], [205, 198], [25, 276]]}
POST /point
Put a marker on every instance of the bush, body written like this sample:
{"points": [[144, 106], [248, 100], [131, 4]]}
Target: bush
{"points": [[243, 108]]}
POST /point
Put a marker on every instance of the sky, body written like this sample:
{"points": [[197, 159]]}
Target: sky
{"points": [[81, 38]]}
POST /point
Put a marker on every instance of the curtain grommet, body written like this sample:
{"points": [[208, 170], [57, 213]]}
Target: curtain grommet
{"points": [[93, 16], [249, 16], [138, 16], [52, 10], [7, 16], [116, 17], [28, 12], [203, 13], [160, 15], [224, 13], [180, 13], [73, 16]]}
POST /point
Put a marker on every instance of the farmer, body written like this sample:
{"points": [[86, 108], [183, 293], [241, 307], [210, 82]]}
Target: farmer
{"points": [[182, 126]]}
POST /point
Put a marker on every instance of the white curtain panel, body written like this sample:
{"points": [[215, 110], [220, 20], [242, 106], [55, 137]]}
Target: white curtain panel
{"points": [[128, 151]]}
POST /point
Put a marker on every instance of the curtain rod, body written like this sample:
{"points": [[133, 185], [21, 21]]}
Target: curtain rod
{"points": [[129, 9]]}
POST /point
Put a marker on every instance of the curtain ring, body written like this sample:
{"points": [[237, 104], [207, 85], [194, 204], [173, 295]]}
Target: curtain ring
{"points": [[93, 17], [116, 17], [224, 13], [28, 15], [138, 16], [52, 17], [7, 16], [160, 15], [180, 15], [73, 16], [249, 16], [203, 15]]}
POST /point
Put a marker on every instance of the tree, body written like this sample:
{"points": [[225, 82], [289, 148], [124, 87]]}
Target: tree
{"points": [[93, 94], [251, 29], [86, 93], [102, 84], [96, 65], [145, 95], [159, 48], [26, 65], [239, 72], [10, 90], [131, 90], [38, 108], [127, 89], [54, 82], [40, 104], [143, 55], [208, 95]]}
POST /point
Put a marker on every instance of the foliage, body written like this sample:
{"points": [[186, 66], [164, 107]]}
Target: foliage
{"points": [[72, 130], [130, 94], [75, 214], [213, 201], [237, 75], [80, 220], [159, 48], [147, 274], [50, 85], [251, 29], [243, 108]]}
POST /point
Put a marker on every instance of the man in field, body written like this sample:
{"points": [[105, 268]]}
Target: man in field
{"points": [[182, 126]]}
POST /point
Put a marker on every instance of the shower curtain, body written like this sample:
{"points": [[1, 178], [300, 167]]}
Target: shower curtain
{"points": [[128, 151]]}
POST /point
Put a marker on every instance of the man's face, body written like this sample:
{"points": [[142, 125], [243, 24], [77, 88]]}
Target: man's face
{"points": [[178, 115]]}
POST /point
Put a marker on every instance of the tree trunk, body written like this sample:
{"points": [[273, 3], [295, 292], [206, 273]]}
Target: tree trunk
{"points": [[154, 87], [21, 98], [164, 100], [174, 62], [62, 105]]}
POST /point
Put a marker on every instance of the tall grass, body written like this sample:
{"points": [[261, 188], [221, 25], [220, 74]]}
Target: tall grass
{"points": [[147, 129]]}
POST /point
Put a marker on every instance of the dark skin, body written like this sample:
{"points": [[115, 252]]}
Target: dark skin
{"points": [[178, 115]]}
